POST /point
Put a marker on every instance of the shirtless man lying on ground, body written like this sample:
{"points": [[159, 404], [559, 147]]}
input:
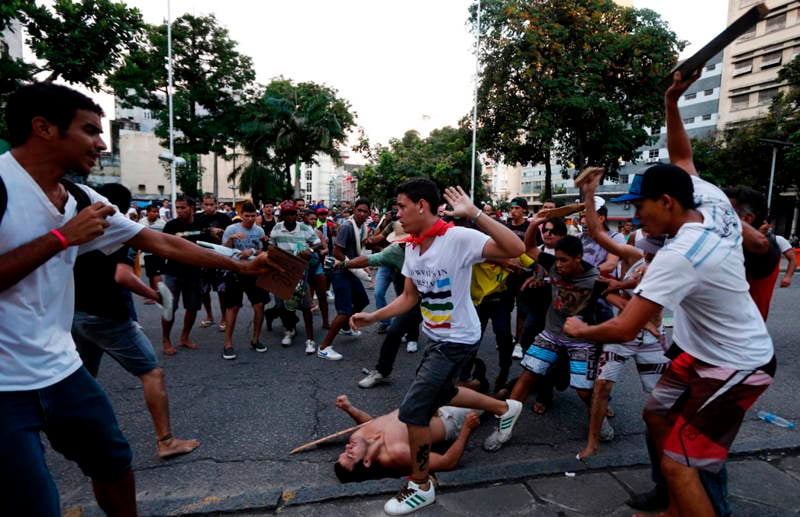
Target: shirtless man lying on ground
{"points": [[380, 448]]}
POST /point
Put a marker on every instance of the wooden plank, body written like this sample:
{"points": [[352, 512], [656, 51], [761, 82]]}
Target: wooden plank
{"points": [[716, 45]]}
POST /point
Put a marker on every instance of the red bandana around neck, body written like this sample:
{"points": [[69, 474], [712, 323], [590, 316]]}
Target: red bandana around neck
{"points": [[439, 228]]}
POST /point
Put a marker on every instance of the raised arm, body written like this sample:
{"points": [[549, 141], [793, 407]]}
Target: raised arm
{"points": [[678, 145], [629, 254], [360, 416], [503, 244]]}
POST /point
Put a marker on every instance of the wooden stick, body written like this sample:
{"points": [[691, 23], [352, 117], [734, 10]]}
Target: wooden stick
{"points": [[715, 46], [329, 437], [561, 211]]}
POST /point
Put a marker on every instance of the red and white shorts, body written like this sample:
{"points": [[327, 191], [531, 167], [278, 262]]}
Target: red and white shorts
{"points": [[706, 404]]}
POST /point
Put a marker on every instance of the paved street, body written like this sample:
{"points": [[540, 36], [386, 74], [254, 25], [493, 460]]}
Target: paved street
{"points": [[250, 412]]}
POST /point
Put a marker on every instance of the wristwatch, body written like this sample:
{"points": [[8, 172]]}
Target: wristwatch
{"points": [[477, 214]]}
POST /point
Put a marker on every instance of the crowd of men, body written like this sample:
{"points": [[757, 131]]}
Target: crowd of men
{"points": [[587, 298]]}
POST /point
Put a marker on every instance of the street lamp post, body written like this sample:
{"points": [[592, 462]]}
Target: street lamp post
{"points": [[233, 189], [172, 180], [775, 144]]}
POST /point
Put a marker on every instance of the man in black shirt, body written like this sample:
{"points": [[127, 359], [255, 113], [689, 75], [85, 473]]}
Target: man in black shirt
{"points": [[180, 278], [102, 323], [213, 224]]}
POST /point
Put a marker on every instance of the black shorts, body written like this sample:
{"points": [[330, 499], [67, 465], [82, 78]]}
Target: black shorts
{"points": [[237, 285]]}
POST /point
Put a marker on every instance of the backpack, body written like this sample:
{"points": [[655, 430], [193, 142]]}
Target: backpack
{"points": [[80, 195]]}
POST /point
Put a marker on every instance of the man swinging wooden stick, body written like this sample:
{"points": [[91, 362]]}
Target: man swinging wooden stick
{"points": [[379, 447]]}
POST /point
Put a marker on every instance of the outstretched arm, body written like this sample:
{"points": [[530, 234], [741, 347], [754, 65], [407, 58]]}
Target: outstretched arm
{"points": [[678, 144]]}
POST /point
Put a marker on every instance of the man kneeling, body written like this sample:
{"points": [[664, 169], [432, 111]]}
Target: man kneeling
{"points": [[381, 448]]}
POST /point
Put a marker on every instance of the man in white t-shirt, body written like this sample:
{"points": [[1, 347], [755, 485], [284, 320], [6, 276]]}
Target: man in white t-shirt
{"points": [[438, 269], [723, 357], [54, 129]]}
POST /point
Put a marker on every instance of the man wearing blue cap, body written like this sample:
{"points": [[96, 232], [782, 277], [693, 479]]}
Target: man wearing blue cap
{"points": [[723, 357]]}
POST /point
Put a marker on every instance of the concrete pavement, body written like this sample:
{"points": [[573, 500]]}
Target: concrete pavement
{"points": [[248, 413]]}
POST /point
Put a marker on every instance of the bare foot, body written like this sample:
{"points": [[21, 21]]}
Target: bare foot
{"points": [[175, 447], [169, 349], [188, 344], [539, 408], [587, 452]]}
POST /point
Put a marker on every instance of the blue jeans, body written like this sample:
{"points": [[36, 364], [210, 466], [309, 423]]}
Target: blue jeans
{"points": [[79, 422], [383, 279]]}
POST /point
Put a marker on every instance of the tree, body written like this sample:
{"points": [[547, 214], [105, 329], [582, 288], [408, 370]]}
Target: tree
{"points": [[286, 125], [444, 157], [211, 79], [573, 79], [78, 42]]}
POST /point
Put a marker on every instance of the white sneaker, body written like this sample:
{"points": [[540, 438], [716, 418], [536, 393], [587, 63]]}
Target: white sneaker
{"points": [[410, 499], [287, 337], [352, 333], [330, 354], [505, 425], [411, 347], [373, 377], [329, 296], [517, 353], [311, 347], [606, 431]]}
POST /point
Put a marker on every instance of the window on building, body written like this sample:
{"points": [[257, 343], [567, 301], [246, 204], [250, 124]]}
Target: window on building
{"points": [[751, 33], [160, 189], [308, 198], [652, 154], [655, 130], [708, 92], [743, 67], [776, 22], [765, 96], [747, 3], [688, 120], [690, 96], [623, 178], [309, 175], [147, 115], [3, 49], [771, 59], [740, 102], [707, 116], [141, 188], [710, 68], [308, 187]]}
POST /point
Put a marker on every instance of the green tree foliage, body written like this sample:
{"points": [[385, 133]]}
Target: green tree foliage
{"points": [[75, 41], [573, 79], [211, 79], [285, 125], [445, 157]]}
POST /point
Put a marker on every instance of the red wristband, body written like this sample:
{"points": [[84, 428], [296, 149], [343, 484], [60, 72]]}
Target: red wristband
{"points": [[61, 238]]}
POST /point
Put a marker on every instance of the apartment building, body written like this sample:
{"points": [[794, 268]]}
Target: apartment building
{"points": [[751, 63]]}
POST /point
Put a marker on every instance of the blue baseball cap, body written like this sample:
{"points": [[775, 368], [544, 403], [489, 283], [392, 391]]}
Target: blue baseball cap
{"points": [[634, 191]]}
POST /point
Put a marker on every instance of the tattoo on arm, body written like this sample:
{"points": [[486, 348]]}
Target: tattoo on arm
{"points": [[423, 453]]}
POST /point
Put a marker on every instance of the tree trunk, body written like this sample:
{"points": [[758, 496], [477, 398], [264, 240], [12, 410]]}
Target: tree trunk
{"points": [[216, 176], [297, 193], [547, 193]]}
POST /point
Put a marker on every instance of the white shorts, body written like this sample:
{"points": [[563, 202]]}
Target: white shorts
{"points": [[648, 353], [453, 420]]}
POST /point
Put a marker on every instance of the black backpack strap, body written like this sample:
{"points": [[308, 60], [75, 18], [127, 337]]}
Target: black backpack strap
{"points": [[3, 199], [80, 195]]}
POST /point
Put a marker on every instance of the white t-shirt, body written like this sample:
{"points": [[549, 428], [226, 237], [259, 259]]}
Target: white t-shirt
{"points": [[783, 244], [442, 276], [36, 347], [700, 275]]}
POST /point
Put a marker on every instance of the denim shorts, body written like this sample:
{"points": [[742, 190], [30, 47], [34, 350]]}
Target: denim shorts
{"points": [[189, 286], [351, 297], [122, 340], [433, 385], [79, 422]]}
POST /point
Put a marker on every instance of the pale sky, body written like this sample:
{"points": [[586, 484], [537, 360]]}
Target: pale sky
{"points": [[401, 65]]}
